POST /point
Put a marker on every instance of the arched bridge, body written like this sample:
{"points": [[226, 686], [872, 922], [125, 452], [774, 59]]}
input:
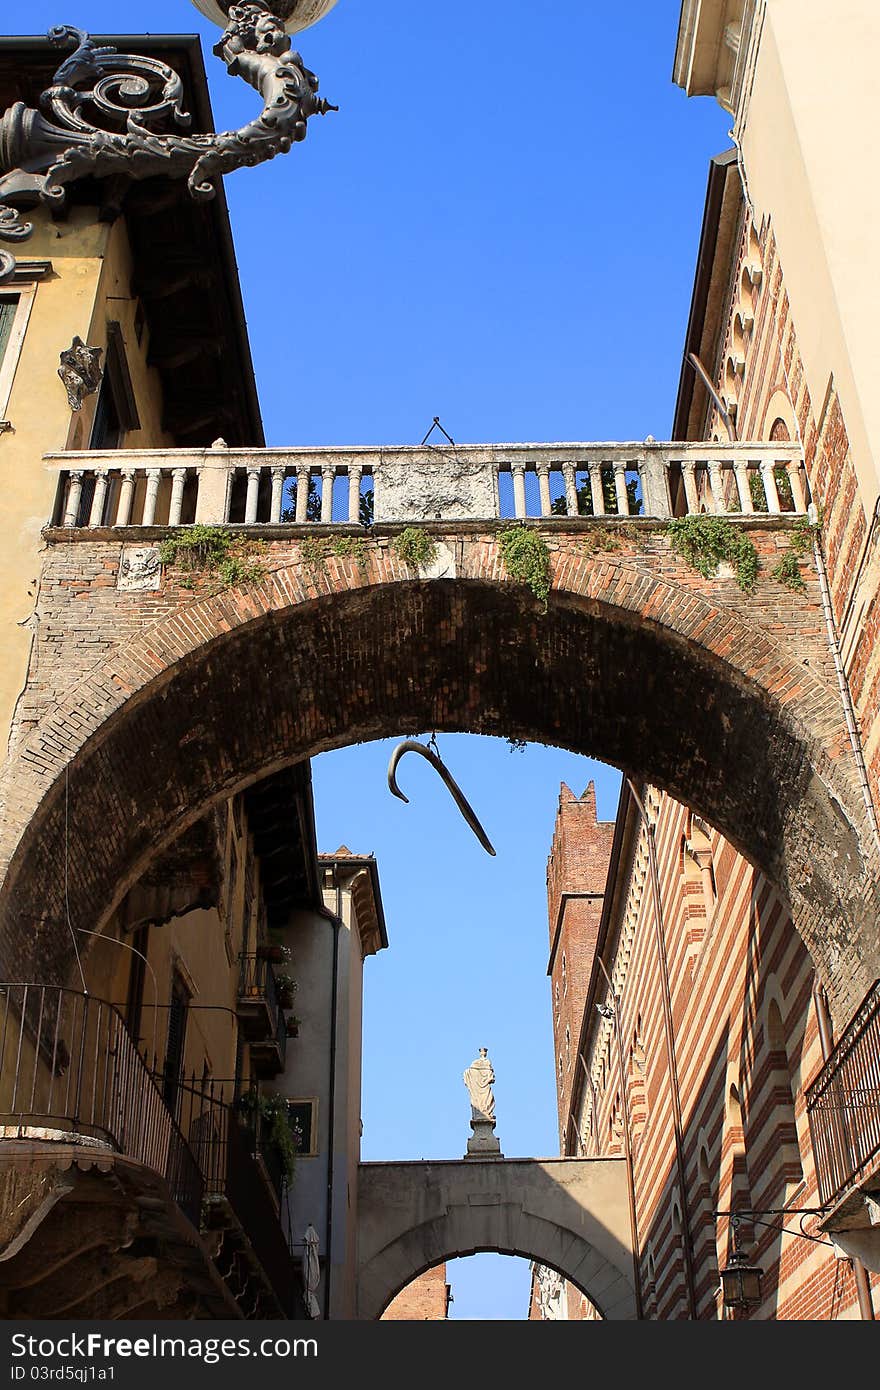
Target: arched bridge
{"points": [[571, 1214], [156, 688]]}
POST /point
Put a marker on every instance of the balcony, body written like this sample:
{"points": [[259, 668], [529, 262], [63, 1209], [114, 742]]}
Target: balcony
{"points": [[260, 1016], [243, 1183], [145, 489], [70, 1072], [843, 1108]]}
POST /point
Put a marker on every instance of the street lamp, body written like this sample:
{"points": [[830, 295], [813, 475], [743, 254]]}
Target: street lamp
{"points": [[740, 1281], [293, 14]]}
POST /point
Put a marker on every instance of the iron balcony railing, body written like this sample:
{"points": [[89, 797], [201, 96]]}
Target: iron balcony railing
{"points": [[843, 1105], [224, 1129], [260, 1015], [70, 1070]]}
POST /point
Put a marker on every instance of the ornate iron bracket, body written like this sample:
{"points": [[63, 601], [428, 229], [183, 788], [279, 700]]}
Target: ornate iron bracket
{"points": [[411, 745], [98, 119]]}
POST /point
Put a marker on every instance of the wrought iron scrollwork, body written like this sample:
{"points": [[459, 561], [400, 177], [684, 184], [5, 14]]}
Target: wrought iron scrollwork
{"points": [[99, 118]]}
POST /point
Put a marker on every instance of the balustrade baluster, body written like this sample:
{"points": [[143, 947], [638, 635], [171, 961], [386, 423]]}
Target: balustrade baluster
{"points": [[543, 472], [688, 474], [178, 481], [773, 504], [277, 493], [597, 492], [303, 479], [795, 478], [355, 472], [154, 477], [620, 489], [715, 491], [328, 473], [519, 489], [99, 497], [571, 496], [741, 473], [253, 496], [74, 494], [126, 498]]}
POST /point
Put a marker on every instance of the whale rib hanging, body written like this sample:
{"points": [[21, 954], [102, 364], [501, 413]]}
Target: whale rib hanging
{"points": [[411, 745]]}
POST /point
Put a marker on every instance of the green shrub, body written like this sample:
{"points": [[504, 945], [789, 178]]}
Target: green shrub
{"points": [[526, 558], [415, 547], [705, 541]]}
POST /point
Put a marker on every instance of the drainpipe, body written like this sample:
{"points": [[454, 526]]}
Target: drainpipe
{"points": [[335, 920], [627, 1135], [669, 1030], [826, 1042]]}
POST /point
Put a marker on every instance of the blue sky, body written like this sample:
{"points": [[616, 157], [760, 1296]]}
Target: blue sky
{"points": [[499, 227]]}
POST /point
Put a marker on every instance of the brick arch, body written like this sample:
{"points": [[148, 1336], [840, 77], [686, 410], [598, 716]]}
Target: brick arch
{"points": [[628, 664]]}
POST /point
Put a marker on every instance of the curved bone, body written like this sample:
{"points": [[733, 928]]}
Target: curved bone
{"points": [[411, 745]]}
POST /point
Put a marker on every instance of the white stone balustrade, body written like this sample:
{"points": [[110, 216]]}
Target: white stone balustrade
{"points": [[477, 482]]}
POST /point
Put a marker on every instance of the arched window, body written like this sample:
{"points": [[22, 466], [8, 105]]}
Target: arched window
{"points": [[787, 1149]]}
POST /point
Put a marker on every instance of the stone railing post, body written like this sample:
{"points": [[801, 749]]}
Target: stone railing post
{"points": [[277, 493], [597, 492], [74, 495], [328, 474], [126, 497], [620, 489], [355, 473], [178, 480], [303, 478], [99, 498], [741, 473], [688, 473], [569, 473], [716, 485], [773, 504], [253, 496], [543, 472], [154, 477], [519, 489], [795, 478]]}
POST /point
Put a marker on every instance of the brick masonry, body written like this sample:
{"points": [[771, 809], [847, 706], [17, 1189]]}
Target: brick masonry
{"points": [[727, 701], [747, 1046]]}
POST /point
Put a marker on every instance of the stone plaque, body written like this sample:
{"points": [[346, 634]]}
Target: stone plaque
{"points": [[139, 568], [429, 490]]}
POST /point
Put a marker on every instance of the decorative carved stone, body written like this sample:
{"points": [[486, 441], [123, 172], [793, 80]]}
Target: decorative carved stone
{"points": [[81, 371], [139, 568], [99, 119], [445, 487]]}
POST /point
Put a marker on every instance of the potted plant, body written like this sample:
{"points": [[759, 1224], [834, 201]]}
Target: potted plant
{"points": [[274, 952], [292, 1026], [286, 988]]}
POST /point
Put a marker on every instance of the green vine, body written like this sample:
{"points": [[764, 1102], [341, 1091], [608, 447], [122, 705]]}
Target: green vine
{"points": [[706, 541], [787, 571], [526, 558], [415, 547], [208, 550], [600, 540], [315, 550]]}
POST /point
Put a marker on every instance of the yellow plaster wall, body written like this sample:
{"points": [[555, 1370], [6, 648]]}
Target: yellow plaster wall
{"points": [[807, 139], [89, 284]]}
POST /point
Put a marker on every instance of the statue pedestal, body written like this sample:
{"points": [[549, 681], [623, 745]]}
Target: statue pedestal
{"points": [[483, 1143]]}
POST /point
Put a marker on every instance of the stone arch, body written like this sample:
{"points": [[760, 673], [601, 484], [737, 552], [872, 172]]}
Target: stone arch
{"points": [[629, 664], [568, 1214]]}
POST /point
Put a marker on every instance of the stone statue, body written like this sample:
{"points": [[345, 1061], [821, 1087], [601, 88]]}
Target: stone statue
{"points": [[479, 1078]]}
